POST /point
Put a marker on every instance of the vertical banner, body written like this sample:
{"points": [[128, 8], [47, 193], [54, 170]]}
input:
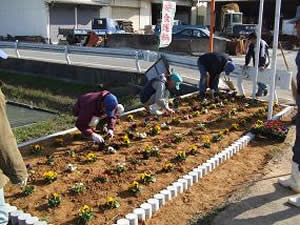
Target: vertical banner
{"points": [[166, 27]]}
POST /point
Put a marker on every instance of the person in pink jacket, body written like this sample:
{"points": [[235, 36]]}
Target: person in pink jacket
{"points": [[102, 104]]}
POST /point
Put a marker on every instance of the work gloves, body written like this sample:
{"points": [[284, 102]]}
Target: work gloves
{"points": [[97, 138], [110, 133]]}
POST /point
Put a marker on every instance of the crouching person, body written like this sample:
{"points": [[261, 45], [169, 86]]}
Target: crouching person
{"points": [[155, 94], [211, 65], [12, 166], [91, 107]]}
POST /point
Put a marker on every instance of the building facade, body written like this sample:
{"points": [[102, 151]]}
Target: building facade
{"points": [[45, 17]]}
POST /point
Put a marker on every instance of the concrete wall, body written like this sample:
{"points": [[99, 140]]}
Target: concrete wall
{"points": [[135, 41], [88, 75], [74, 73], [145, 14], [23, 17], [195, 46]]}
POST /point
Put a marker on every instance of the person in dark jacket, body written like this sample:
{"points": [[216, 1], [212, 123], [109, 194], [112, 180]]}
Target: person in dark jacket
{"points": [[12, 166], [155, 94], [96, 105], [264, 60], [293, 181], [211, 65]]}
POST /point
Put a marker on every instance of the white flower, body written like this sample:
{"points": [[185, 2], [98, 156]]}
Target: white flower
{"points": [[155, 148], [141, 135], [111, 150], [71, 168], [163, 125], [205, 111]]}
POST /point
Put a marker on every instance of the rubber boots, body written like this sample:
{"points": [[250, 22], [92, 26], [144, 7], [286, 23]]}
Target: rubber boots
{"points": [[293, 181]]}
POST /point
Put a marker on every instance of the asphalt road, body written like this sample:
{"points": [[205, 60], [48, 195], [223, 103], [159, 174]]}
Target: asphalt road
{"points": [[130, 65]]}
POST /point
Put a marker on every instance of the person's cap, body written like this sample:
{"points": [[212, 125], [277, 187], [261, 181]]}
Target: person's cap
{"points": [[3, 55], [252, 36], [229, 67], [297, 17], [110, 103], [177, 79]]}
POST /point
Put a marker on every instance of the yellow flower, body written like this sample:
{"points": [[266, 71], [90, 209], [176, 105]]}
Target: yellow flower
{"points": [[36, 148], [168, 166], [84, 209], [148, 147], [258, 124], [134, 184], [110, 200], [55, 196], [206, 140], [157, 127], [181, 153], [91, 157], [50, 175], [235, 126], [130, 117], [144, 175], [126, 139], [194, 147], [224, 131]]}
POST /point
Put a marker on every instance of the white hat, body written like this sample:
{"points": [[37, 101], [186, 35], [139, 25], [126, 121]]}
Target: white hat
{"points": [[3, 55]]}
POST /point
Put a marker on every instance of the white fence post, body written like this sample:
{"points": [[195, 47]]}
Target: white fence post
{"points": [[274, 58], [67, 55], [17, 50], [137, 63]]}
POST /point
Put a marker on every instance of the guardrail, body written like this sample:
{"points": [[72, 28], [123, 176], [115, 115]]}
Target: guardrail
{"points": [[137, 55]]}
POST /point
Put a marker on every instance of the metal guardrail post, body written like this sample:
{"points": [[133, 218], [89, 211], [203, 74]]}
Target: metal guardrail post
{"points": [[67, 57], [137, 63], [17, 50]]}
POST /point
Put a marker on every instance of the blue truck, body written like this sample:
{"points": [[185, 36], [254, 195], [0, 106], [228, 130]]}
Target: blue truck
{"points": [[100, 26]]}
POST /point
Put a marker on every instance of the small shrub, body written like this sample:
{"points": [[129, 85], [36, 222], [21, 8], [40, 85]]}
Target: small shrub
{"points": [[85, 214], [28, 190], [54, 200]]}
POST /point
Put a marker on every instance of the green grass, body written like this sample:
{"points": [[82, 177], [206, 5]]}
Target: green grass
{"points": [[48, 94]]}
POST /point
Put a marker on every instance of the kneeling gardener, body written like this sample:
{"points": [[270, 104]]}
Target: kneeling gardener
{"points": [[93, 106], [155, 94]]}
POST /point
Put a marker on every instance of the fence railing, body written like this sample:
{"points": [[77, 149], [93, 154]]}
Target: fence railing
{"points": [[137, 55]]}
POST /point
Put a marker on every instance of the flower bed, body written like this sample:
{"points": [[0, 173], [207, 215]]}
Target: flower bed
{"points": [[147, 154]]}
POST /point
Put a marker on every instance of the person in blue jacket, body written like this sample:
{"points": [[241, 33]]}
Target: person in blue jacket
{"points": [[293, 182]]}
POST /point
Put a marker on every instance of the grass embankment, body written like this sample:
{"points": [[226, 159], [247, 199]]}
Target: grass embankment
{"points": [[48, 94]]}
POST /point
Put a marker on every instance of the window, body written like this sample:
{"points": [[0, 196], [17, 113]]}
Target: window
{"points": [[237, 18], [188, 33], [197, 33]]}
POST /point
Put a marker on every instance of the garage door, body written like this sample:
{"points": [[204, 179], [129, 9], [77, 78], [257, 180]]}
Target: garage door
{"points": [[85, 16], [63, 17], [131, 14]]}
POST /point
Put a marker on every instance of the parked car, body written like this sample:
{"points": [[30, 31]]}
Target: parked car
{"points": [[195, 34], [178, 25]]}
